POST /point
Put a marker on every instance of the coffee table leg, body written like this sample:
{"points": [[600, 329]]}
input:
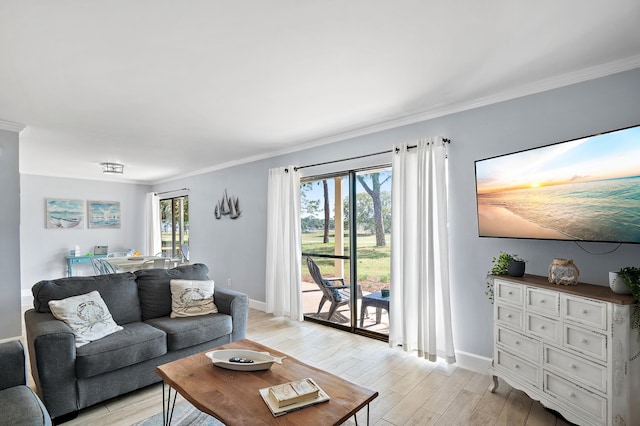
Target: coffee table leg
{"points": [[355, 416], [167, 404]]}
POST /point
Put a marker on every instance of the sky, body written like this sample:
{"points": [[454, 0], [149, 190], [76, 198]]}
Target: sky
{"points": [[605, 156]]}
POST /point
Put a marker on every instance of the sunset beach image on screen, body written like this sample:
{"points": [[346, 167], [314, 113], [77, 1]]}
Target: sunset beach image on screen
{"points": [[586, 189]]}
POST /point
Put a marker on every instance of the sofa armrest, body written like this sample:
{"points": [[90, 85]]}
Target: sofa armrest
{"points": [[52, 354], [13, 370], [235, 304]]}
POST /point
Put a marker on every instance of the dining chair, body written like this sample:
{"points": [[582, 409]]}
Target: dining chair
{"points": [[108, 267], [155, 263], [97, 266], [184, 248], [117, 254]]}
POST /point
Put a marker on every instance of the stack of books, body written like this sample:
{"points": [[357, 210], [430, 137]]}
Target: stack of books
{"points": [[291, 396]]}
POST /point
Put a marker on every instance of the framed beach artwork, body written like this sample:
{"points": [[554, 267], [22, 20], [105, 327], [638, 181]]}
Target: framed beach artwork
{"points": [[64, 214], [103, 214]]}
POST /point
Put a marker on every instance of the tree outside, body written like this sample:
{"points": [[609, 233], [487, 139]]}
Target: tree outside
{"points": [[373, 223], [174, 223]]}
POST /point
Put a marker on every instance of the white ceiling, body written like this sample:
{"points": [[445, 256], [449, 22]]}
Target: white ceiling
{"points": [[170, 88]]}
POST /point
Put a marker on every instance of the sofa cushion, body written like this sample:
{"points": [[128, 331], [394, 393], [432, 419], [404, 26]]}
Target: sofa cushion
{"points": [[191, 298], [154, 287], [136, 343], [86, 315], [191, 331], [119, 292], [20, 406]]}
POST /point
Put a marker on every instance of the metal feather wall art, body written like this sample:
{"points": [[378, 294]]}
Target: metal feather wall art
{"points": [[228, 206]]}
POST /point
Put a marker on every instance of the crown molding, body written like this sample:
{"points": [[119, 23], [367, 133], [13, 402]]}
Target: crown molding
{"points": [[11, 126], [539, 86]]}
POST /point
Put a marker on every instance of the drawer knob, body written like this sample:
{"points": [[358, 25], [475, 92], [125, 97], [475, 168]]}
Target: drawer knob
{"points": [[584, 311], [509, 292], [517, 342], [583, 340], [572, 395], [542, 327], [541, 301], [516, 366], [509, 315], [572, 366]]}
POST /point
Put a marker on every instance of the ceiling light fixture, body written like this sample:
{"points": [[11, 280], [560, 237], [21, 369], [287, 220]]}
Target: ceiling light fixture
{"points": [[112, 168]]}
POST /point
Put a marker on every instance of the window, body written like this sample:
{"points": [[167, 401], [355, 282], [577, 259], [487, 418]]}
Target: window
{"points": [[174, 223]]}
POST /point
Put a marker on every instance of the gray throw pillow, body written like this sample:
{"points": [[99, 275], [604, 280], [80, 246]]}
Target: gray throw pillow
{"points": [[154, 287], [119, 292]]}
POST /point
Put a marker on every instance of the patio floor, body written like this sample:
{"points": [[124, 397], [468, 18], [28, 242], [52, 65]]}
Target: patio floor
{"points": [[311, 296]]}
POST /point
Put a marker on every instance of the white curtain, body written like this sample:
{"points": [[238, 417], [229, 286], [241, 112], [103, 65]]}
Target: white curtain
{"points": [[284, 256], [152, 243], [420, 317]]}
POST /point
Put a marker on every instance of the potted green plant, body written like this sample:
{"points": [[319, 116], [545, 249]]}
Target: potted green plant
{"points": [[504, 264], [631, 276]]}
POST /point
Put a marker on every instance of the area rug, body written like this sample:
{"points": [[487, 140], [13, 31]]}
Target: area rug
{"points": [[183, 415]]}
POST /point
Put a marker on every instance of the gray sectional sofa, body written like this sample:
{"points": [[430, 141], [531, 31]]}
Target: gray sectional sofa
{"points": [[18, 404], [70, 379]]}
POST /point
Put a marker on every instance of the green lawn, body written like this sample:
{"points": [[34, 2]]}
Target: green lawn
{"points": [[373, 262]]}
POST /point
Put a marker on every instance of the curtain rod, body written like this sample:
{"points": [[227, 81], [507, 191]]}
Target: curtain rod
{"points": [[173, 190], [295, 169]]}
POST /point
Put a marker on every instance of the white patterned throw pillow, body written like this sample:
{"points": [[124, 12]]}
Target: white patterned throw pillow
{"points": [[87, 315], [191, 298]]}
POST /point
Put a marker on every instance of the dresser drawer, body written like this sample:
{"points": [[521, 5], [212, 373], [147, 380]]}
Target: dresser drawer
{"points": [[584, 311], [582, 401], [575, 368], [543, 301], [519, 344], [585, 341], [510, 316], [545, 328], [509, 293], [518, 367]]}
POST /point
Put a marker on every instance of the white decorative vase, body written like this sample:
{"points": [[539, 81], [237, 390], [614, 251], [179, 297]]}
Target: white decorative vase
{"points": [[617, 284]]}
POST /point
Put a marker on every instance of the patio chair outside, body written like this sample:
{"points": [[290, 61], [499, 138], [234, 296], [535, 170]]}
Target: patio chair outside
{"points": [[337, 295]]}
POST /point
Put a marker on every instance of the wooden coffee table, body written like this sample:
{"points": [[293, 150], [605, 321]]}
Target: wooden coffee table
{"points": [[233, 398]]}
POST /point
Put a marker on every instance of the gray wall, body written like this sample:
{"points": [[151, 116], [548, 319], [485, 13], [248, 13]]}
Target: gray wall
{"points": [[43, 250], [236, 249], [10, 325]]}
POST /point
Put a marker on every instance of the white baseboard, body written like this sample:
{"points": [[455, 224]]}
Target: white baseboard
{"points": [[26, 297], [258, 305], [473, 362]]}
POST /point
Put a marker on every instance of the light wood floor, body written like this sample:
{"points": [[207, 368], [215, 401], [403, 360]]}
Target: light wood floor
{"points": [[412, 391]]}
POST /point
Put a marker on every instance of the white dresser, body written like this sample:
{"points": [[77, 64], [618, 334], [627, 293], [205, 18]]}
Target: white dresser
{"points": [[569, 347]]}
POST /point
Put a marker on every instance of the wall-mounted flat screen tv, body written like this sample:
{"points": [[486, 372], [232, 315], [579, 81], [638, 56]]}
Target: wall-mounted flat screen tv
{"points": [[586, 189]]}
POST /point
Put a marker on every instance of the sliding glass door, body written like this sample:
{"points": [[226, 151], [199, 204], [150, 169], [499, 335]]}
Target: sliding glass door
{"points": [[372, 248], [345, 221], [325, 250]]}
